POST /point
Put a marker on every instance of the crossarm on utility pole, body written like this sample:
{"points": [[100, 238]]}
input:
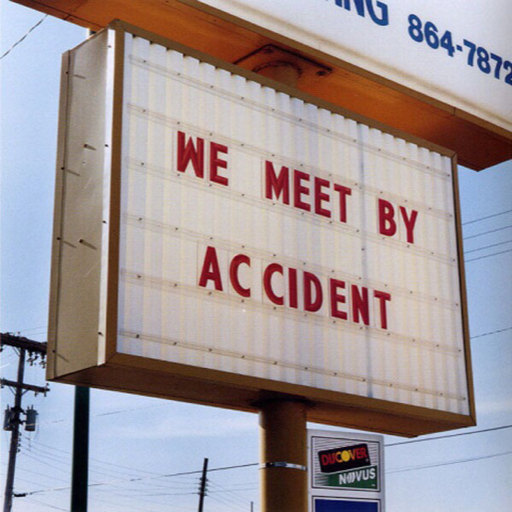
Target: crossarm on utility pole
{"points": [[23, 386], [20, 342]]}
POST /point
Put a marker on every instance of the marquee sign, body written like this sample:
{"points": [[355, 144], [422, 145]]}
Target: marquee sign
{"points": [[220, 241]]}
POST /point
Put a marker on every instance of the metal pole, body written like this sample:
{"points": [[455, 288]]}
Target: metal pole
{"points": [[15, 434], [283, 456], [80, 471], [202, 491]]}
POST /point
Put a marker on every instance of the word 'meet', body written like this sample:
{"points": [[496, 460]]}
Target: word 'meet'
{"points": [[297, 289], [300, 190], [312, 195]]}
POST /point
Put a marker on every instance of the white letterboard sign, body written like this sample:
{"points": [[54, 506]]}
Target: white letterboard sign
{"points": [[263, 236]]}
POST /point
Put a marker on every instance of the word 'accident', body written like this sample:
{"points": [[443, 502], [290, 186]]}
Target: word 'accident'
{"points": [[277, 284]]}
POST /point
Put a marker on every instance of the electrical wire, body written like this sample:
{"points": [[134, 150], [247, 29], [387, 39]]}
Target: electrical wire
{"points": [[226, 503], [460, 434], [488, 246], [487, 232], [107, 413], [233, 494], [123, 506], [66, 454], [488, 256], [252, 464], [19, 41], [145, 478], [492, 332], [44, 462], [450, 463], [485, 218], [32, 329], [46, 504]]}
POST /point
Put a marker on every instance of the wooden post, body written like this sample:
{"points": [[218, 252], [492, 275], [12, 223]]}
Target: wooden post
{"points": [[283, 456]]}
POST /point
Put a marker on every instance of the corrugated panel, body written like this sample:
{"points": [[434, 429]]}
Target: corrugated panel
{"points": [[172, 218]]}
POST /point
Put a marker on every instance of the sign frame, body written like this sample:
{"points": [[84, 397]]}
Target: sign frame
{"points": [[100, 365]]}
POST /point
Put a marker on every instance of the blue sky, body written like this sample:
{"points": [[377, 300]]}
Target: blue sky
{"points": [[141, 438]]}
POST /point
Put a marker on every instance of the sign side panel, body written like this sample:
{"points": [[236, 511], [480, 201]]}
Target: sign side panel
{"points": [[463, 292], [76, 286], [57, 215]]}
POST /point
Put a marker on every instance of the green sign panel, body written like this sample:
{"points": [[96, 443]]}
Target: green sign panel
{"points": [[363, 478]]}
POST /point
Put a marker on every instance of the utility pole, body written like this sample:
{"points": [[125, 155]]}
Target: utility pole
{"points": [[13, 419], [202, 490], [80, 470]]}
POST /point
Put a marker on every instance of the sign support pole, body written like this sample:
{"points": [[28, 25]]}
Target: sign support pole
{"points": [[283, 460], [80, 469]]}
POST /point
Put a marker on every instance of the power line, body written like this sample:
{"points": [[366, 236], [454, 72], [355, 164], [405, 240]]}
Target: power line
{"points": [[19, 41], [108, 413], [485, 218], [487, 232], [413, 441], [144, 478], [488, 246], [233, 494], [450, 463], [37, 446], [226, 503], [46, 504], [488, 256], [492, 332], [233, 467]]}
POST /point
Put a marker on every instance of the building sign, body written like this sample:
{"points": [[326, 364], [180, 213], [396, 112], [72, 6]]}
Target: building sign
{"points": [[216, 229], [457, 54], [346, 472]]}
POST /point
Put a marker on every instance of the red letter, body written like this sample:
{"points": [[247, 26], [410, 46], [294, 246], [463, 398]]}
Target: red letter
{"points": [[343, 192], [409, 223], [382, 297], [216, 162], [336, 298], [188, 152], [292, 285], [267, 283], [360, 305], [387, 225], [309, 305], [233, 274], [299, 189], [278, 184], [321, 196], [211, 270]]}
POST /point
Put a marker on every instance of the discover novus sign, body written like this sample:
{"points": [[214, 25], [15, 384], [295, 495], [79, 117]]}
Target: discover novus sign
{"points": [[225, 240], [346, 469]]}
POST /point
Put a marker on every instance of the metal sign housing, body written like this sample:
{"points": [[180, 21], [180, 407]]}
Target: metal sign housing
{"points": [[222, 241]]}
